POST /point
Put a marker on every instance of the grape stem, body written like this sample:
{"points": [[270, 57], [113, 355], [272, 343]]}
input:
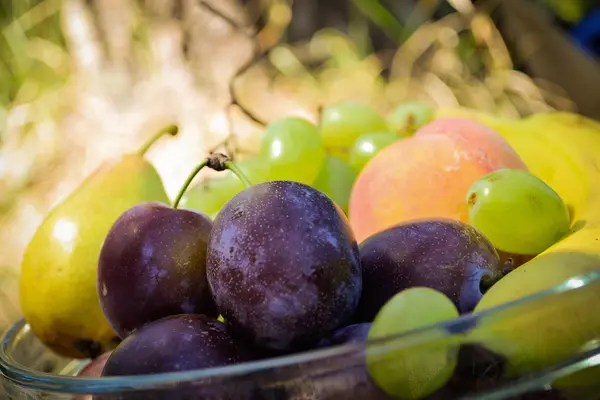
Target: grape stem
{"points": [[218, 162], [411, 126], [171, 130], [320, 110]]}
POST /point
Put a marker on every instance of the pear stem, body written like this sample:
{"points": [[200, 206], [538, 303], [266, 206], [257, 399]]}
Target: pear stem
{"points": [[170, 130], [410, 127], [218, 162]]}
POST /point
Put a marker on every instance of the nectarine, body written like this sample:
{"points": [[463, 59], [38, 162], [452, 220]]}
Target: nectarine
{"points": [[427, 175]]}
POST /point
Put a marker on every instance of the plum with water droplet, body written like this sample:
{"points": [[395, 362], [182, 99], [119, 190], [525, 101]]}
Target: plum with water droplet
{"points": [[153, 265], [442, 254], [182, 342], [283, 265]]}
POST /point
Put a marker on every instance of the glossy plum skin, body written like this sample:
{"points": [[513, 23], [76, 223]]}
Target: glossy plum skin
{"points": [[447, 255], [178, 343], [283, 265], [152, 265]]}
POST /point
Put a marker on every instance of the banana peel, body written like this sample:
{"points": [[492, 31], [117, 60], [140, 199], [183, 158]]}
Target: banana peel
{"points": [[562, 149]]}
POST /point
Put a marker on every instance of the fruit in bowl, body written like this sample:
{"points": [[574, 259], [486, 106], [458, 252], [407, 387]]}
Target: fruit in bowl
{"points": [[447, 255], [517, 211], [59, 269], [562, 150], [286, 271], [178, 343], [427, 175], [153, 259], [417, 371]]}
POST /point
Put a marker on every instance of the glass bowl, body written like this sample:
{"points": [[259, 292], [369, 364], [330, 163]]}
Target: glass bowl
{"points": [[496, 354]]}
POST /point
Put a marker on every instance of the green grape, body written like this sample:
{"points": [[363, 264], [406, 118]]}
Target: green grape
{"points": [[367, 145], [517, 211], [408, 117], [413, 372], [335, 180], [210, 195], [294, 150], [342, 123]]}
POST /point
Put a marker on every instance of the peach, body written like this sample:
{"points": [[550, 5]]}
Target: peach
{"points": [[427, 175], [483, 142]]}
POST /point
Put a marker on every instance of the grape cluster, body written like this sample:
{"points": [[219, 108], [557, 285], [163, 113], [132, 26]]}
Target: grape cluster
{"points": [[327, 156]]}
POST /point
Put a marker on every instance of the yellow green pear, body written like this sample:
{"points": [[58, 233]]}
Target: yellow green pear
{"points": [[59, 270], [562, 149]]}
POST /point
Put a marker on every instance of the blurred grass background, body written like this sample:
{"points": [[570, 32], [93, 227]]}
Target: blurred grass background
{"points": [[83, 80]]}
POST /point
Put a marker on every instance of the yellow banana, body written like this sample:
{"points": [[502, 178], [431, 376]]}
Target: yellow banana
{"points": [[562, 149]]}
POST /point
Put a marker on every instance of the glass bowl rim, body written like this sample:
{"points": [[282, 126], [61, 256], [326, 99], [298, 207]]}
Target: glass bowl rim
{"points": [[42, 381]]}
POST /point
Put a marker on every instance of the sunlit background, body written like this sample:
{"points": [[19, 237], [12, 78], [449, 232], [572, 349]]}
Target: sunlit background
{"points": [[82, 81]]}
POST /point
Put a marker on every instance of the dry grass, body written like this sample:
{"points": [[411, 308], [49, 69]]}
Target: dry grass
{"points": [[122, 74]]}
